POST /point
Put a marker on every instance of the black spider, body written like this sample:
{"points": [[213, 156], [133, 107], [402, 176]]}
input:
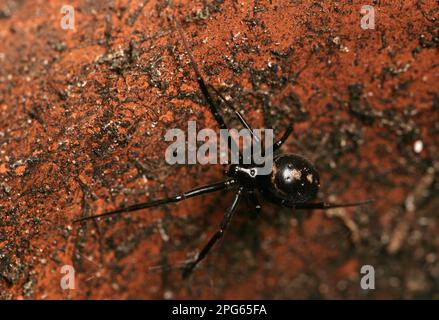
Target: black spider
{"points": [[293, 182]]}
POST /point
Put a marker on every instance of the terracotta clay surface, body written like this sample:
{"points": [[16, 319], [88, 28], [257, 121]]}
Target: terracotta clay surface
{"points": [[83, 114]]}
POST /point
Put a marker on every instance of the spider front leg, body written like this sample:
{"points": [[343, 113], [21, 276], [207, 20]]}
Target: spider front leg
{"points": [[205, 91], [281, 141], [284, 138], [187, 270], [237, 113]]}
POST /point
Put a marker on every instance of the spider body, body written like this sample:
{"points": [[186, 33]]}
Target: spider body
{"points": [[293, 181]]}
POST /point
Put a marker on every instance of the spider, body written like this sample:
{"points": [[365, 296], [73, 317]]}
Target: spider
{"points": [[293, 181]]}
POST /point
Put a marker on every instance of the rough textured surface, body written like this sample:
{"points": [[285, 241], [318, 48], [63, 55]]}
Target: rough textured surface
{"points": [[82, 119]]}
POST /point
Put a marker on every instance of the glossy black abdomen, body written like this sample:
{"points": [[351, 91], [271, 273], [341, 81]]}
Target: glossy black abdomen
{"points": [[293, 179]]}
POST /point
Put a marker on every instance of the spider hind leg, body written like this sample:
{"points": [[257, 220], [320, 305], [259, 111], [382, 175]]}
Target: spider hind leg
{"points": [[190, 266]]}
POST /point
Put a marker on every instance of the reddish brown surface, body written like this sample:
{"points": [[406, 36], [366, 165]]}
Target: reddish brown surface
{"points": [[82, 121]]}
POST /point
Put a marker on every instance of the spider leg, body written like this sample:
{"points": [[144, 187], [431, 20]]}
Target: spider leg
{"points": [[281, 141], [213, 107], [203, 87], [189, 194], [241, 118], [187, 270], [327, 205], [284, 138], [237, 113]]}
